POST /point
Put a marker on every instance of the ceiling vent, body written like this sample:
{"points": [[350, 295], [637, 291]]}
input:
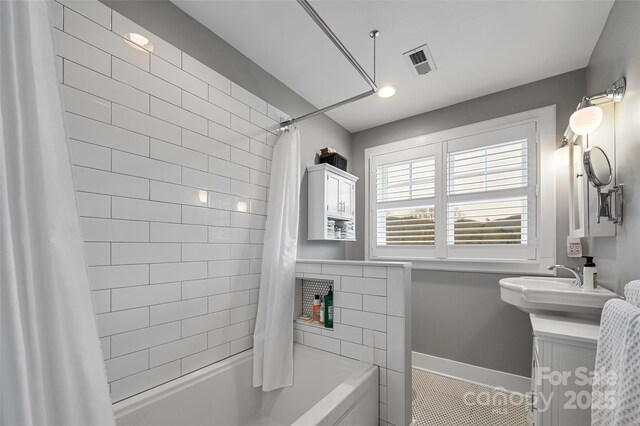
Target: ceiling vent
{"points": [[420, 61]]}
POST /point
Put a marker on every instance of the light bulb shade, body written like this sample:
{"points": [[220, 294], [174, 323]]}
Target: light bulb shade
{"points": [[562, 155], [139, 42], [138, 39], [387, 91], [585, 120]]}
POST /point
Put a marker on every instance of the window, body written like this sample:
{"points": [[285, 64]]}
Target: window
{"points": [[467, 197]]}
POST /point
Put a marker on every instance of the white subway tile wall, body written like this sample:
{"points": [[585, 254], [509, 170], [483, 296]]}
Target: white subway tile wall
{"points": [[370, 325], [171, 164]]}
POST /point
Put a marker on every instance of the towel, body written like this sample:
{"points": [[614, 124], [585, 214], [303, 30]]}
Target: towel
{"points": [[632, 292], [629, 395], [616, 393]]}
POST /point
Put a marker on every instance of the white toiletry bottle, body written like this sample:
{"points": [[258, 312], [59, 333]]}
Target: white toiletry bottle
{"points": [[589, 275], [322, 312]]}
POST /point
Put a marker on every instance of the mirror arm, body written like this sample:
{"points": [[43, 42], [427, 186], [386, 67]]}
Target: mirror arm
{"points": [[616, 194], [604, 209], [608, 198]]}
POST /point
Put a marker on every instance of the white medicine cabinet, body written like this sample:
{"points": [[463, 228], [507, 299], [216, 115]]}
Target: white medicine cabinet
{"points": [[583, 197], [332, 203]]}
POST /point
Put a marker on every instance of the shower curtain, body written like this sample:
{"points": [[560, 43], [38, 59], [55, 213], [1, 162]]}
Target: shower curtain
{"points": [[51, 368], [273, 335]]}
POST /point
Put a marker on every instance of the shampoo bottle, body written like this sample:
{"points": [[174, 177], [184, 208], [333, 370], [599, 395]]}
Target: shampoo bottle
{"points": [[589, 275], [315, 314], [328, 309]]}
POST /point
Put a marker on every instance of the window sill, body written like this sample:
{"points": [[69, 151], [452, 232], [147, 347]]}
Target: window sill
{"points": [[489, 266]]}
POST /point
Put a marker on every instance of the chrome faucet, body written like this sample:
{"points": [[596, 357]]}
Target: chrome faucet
{"points": [[575, 272]]}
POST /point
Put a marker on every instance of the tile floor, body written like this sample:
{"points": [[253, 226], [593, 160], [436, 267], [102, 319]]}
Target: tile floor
{"points": [[440, 401]]}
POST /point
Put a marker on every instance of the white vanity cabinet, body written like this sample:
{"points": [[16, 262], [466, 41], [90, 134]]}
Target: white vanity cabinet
{"points": [[332, 203], [564, 353]]}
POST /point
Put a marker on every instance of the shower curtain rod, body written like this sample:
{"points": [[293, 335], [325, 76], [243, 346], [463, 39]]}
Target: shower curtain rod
{"points": [[341, 47]]}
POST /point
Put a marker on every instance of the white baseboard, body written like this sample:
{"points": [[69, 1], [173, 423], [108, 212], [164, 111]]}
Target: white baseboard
{"points": [[471, 373]]}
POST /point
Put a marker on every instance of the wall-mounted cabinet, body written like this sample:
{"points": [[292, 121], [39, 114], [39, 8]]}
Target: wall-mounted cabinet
{"points": [[332, 203], [583, 197]]}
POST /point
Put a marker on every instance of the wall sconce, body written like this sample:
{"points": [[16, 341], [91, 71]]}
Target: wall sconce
{"points": [[203, 196], [587, 116], [562, 153]]}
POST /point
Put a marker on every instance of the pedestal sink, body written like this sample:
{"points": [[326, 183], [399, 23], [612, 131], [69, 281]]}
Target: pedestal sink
{"points": [[559, 296]]}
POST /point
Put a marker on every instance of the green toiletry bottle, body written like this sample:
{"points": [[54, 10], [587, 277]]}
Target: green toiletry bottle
{"points": [[328, 309]]}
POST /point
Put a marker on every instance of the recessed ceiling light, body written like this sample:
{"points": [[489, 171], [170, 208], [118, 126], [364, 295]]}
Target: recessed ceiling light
{"points": [[387, 91], [139, 40]]}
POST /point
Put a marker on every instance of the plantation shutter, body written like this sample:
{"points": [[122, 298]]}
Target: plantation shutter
{"points": [[490, 192], [403, 203], [471, 198]]}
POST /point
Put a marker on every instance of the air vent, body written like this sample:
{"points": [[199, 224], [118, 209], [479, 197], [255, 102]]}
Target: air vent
{"points": [[420, 61], [418, 57]]}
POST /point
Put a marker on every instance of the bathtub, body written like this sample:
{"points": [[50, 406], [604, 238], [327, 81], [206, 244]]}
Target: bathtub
{"points": [[328, 389]]}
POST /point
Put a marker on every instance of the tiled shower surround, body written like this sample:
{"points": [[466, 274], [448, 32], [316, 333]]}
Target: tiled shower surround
{"points": [[171, 164], [372, 323]]}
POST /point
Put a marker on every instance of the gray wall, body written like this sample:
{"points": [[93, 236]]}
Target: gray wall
{"points": [[616, 55], [456, 315], [176, 27]]}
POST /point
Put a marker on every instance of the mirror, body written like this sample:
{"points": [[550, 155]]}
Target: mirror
{"points": [[597, 167], [599, 172], [578, 190]]}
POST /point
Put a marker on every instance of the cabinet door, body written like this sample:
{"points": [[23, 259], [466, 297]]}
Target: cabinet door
{"points": [[532, 403], [347, 195], [332, 195]]}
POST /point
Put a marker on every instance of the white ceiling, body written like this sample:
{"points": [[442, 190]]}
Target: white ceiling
{"points": [[479, 47]]}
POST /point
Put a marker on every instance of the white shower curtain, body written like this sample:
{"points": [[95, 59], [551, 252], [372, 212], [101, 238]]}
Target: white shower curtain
{"points": [[51, 368], [273, 335]]}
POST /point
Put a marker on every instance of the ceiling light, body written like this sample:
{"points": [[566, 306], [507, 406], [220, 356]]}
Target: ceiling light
{"points": [[139, 40], [387, 91]]}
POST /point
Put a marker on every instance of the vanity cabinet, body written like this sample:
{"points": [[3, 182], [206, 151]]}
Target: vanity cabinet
{"points": [[332, 203], [563, 360]]}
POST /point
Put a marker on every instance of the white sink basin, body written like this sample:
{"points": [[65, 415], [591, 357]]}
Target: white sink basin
{"points": [[553, 296]]}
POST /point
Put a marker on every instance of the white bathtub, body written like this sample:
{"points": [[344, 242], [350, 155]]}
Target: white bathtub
{"points": [[328, 389]]}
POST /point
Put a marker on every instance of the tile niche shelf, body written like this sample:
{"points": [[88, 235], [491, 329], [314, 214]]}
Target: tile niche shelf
{"points": [[332, 204]]}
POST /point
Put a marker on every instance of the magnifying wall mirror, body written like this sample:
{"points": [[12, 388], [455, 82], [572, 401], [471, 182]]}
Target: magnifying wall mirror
{"points": [[597, 167], [599, 172]]}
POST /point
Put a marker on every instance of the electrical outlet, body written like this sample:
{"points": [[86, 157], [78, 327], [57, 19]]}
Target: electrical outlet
{"points": [[574, 247]]}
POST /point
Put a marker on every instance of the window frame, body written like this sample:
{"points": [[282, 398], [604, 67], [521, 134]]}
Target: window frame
{"points": [[543, 241]]}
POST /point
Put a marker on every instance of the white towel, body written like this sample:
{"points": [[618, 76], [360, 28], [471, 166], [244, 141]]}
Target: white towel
{"points": [[629, 396], [632, 292], [617, 355]]}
